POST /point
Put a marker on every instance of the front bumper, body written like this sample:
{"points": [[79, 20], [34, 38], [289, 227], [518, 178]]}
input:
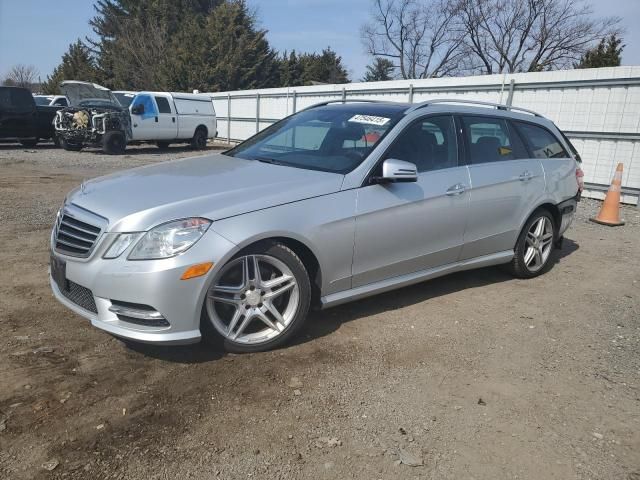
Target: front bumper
{"points": [[151, 283]]}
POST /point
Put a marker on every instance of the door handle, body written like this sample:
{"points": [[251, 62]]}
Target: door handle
{"points": [[526, 175], [173, 119], [456, 189], [156, 119]]}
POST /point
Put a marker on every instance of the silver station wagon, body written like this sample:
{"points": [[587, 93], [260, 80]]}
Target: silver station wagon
{"points": [[337, 202]]}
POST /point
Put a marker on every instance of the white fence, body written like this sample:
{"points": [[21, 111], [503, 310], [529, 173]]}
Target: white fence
{"points": [[599, 109]]}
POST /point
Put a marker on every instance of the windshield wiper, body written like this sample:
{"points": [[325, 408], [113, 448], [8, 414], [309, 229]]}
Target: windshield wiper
{"points": [[268, 160]]}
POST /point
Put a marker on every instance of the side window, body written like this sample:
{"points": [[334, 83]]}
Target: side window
{"points": [[430, 143], [22, 100], [542, 142], [163, 105], [489, 140], [147, 102], [61, 102]]}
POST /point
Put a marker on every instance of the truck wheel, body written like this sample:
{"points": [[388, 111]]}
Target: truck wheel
{"points": [[199, 140], [114, 143], [30, 143], [71, 147], [163, 145]]}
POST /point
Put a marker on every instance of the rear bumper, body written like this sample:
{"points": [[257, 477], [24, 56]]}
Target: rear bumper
{"points": [[567, 213]]}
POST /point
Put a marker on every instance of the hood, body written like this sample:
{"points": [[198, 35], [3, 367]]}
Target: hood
{"points": [[83, 93], [212, 186]]}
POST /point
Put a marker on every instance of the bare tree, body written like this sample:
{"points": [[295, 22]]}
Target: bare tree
{"points": [[22, 76], [530, 35], [422, 38]]}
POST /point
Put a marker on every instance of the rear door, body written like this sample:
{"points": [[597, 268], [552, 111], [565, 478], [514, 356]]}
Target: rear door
{"points": [[403, 228], [505, 184], [167, 127]]}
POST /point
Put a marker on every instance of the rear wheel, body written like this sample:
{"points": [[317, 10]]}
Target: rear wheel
{"points": [[199, 140], [535, 245], [258, 300], [114, 143]]}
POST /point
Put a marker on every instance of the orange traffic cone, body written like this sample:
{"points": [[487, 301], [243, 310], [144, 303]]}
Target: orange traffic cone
{"points": [[610, 211]]}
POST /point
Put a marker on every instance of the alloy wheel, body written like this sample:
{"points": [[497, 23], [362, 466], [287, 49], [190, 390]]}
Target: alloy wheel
{"points": [[539, 243], [253, 299]]}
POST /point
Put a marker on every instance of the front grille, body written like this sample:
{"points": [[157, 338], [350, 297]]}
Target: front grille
{"points": [[75, 237], [81, 296]]}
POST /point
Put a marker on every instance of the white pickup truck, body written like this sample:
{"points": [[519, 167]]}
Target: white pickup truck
{"points": [[166, 118], [96, 117]]}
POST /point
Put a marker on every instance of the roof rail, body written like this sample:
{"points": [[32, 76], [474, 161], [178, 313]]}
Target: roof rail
{"points": [[343, 100], [498, 106]]}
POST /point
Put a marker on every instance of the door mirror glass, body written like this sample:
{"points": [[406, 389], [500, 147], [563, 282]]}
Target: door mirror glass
{"points": [[394, 170]]}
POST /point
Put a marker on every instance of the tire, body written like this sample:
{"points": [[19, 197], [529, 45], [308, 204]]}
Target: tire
{"points": [[29, 143], [199, 140], [71, 147], [163, 145], [534, 250], [237, 295], [114, 143]]}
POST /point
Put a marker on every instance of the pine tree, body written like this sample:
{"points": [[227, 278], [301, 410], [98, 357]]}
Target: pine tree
{"points": [[77, 64], [291, 70], [325, 67], [608, 53], [380, 70]]}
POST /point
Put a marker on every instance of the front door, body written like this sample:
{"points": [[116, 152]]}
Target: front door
{"points": [[167, 127], [144, 117], [403, 228]]}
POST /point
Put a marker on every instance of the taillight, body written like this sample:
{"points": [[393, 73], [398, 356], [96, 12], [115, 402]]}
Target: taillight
{"points": [[580, 179]]}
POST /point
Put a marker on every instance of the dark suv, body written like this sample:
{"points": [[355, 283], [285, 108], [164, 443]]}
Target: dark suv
{"points": [[22, 120]]}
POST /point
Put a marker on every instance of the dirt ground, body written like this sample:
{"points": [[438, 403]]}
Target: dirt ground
{"points": [[472, 376]]}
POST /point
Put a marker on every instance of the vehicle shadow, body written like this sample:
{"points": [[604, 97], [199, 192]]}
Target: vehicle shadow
{"points": [[325, 322]]}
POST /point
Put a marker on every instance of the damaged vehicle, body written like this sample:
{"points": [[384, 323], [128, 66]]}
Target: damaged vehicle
{"points": [[94, 118]]}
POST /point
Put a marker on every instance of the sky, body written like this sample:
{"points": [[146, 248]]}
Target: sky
{"points": [[38, 32]]}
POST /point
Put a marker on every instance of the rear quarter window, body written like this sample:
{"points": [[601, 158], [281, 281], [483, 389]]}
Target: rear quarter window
{"points": [[541, 142]]}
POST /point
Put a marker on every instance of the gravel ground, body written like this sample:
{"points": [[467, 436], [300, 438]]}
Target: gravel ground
{"points": [[476, 375]]}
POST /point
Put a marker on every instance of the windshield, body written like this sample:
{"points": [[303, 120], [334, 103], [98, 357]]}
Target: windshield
{"points": [[97, 102], [124, 98], [43, 100], [333, 138]]}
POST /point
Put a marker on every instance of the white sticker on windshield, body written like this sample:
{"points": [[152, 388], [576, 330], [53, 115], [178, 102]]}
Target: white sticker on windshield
{"points": [[369, 120]]}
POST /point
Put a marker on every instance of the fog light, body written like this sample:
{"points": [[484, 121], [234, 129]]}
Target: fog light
{"points": [[196, 270]]}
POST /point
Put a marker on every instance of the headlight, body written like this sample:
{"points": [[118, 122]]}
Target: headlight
{"points": [[169, 239], [121, 243]]}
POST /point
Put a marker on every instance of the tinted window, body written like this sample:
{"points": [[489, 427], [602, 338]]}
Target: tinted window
{"points": [[429, 143], [61, 102], [541, 141], [163, 105], [334, 138], [22, 99], [489, 140]]}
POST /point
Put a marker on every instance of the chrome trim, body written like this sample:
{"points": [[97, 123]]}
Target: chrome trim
{"points": [[134, 313], [79, 214]]}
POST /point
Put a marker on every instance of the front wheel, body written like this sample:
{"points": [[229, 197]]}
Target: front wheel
{"points": [[258, 300], [69, 146], [114, 143], [534, 248]]}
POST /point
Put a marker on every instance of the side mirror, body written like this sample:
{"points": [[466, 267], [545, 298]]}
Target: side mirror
{"points": [[138, 109], [394, 170]]}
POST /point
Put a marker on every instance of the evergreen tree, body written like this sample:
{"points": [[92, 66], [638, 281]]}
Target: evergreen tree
{"points": [[325, 67], [608, 53], [291, 70], [77, 64], [380, 70]]}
